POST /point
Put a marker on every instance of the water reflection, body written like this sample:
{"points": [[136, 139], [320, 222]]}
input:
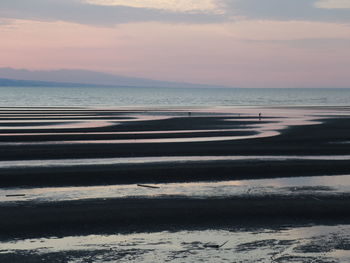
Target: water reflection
{"points": [[76, 123], [66, 125], [318, 185], [157, 140], [292, 244], [273, 121], [131, 132]]}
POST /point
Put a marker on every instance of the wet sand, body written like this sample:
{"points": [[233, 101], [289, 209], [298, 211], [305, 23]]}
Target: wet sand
{"points": [[315, 134], [305, 243], [303, 140]]}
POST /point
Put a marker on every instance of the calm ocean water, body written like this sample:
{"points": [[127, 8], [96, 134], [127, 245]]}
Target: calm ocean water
{"points": [[130, 96]]}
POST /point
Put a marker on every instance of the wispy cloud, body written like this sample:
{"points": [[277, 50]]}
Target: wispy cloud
{"points": [[307, 43], [82, 12], [333, 4], [284, 10], [193, 6], [112, 12], [4, 22]]}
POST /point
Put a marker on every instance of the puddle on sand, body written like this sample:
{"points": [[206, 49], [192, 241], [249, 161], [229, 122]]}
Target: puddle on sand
{"points": [[76, 123], [292, 244], [318, 185], [270, 126], [66, 125], [128, 132], [158, 140]]}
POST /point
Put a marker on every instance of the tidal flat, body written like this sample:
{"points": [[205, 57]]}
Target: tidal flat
{"points": [[277, 188]]}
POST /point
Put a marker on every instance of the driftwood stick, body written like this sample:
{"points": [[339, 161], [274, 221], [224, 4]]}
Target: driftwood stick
{"points": [[148, 186], [215, 245], [223, 244], [12, 195]]}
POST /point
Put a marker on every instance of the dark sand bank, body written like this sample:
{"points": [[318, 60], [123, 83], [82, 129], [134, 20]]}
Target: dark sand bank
{"points": [[168, 172], [157, 214]]}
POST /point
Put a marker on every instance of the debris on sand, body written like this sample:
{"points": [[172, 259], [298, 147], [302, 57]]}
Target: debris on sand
{"points": [[208, 245], [148, 186], [15, 195]]}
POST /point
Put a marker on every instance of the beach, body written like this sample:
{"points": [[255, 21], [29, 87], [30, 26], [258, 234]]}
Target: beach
{"points": [[80, 171]]}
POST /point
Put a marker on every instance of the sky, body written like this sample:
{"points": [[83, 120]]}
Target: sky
{"points": [[238, 43]]}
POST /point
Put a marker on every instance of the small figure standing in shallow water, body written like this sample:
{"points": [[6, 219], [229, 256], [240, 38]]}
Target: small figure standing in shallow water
{"points": [[259, 116], [189, 114]]}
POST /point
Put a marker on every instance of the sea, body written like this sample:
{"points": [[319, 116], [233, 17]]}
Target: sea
{"points": [[149, 96]]}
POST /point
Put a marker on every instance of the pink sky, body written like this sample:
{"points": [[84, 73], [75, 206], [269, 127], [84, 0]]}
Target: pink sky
{"points": [[245, 53]]}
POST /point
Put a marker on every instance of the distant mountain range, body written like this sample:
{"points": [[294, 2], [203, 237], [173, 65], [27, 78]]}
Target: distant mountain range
{"points": [[34, 83], [80, 78]]}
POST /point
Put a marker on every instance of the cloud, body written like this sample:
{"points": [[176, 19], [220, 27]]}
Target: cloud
{"points": [[333, 4], [286, 10], [5, 22], [308, 43], [193, 6], [82, 12], [112, 12]]}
